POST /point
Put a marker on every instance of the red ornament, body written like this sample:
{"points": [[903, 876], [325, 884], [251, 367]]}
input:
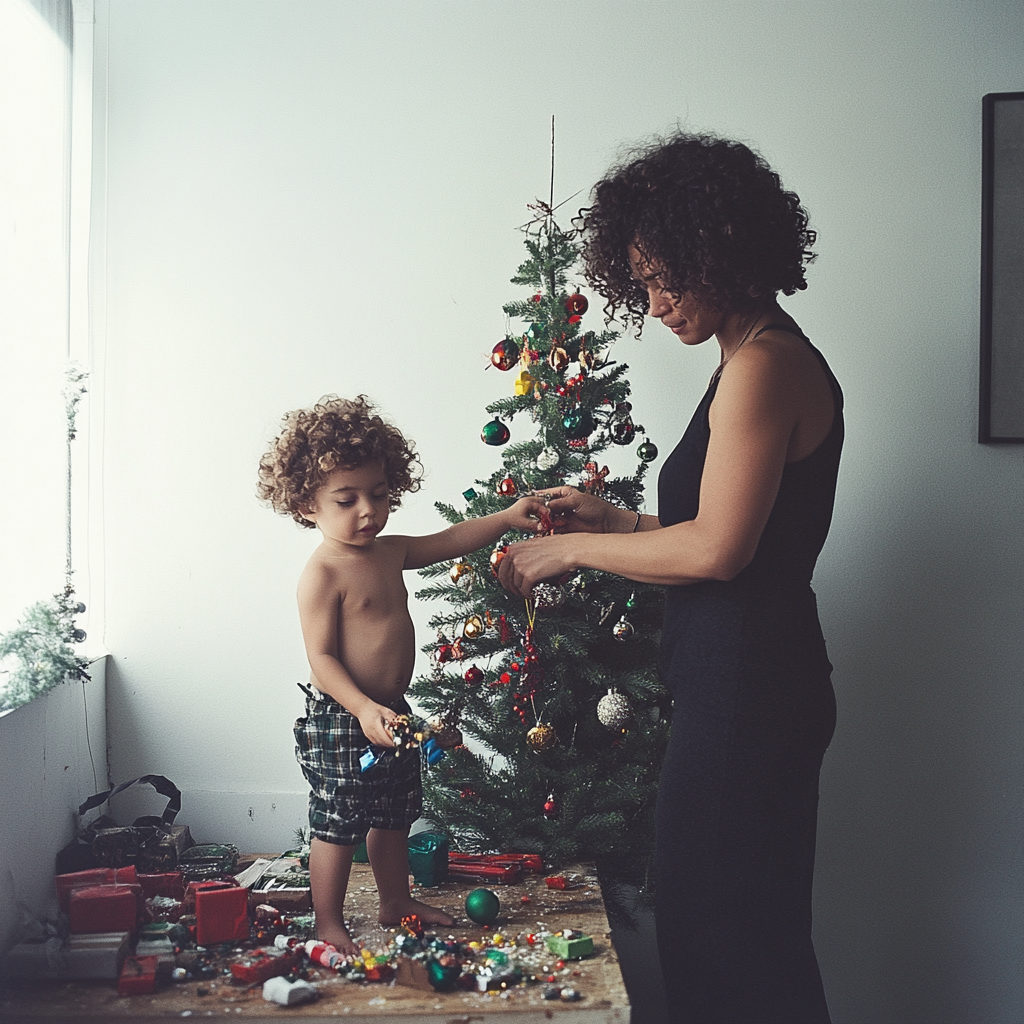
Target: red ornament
{"points": [[576, 304], [473, 675], [504, 629], [505, 354], [550, 808], [537, 297], [575, 319], [443, 653], [507, 488], [505, 678], [496, 556]]}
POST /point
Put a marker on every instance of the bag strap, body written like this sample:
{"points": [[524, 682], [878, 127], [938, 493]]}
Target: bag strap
{"points": [[160, 783]]}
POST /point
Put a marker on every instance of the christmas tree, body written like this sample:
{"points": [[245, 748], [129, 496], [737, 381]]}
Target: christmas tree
{"points": [[561, 690]]}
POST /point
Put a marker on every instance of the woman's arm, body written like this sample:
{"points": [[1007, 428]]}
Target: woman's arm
{"points": [[753, 417]]}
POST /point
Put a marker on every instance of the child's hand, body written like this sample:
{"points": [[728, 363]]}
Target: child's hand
{"points": [[376, 725], [528, 514]]}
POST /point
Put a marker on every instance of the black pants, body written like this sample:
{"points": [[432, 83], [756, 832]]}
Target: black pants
{"points": [[737, 815]]}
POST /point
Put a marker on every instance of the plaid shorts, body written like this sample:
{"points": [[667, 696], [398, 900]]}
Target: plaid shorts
{"points": [[345, 802]]}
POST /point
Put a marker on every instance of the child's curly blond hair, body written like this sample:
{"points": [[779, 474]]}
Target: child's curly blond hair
{"points": [[337, 433]]}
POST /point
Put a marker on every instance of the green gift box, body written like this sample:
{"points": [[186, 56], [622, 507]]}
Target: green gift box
{"points": [[572, 947], [428, 857]]}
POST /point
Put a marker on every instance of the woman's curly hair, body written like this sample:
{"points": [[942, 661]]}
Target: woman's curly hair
{"points": [[708, 213], [337, 433]]}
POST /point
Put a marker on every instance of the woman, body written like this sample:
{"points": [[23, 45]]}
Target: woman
{"points": [[699, 233]]}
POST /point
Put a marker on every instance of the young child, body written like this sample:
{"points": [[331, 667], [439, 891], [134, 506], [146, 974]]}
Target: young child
{"points": [[341, 468]]}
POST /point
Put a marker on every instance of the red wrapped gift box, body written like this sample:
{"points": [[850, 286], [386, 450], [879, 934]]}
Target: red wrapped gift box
{"points": [[103, 908], [138, 976], [66, 884], [222, 915], [168, 884], [188, 904]]}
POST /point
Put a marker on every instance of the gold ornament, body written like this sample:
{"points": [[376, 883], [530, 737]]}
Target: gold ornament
{"points": [[541, 736], [473, 627], [462, 572], [525, 383]]}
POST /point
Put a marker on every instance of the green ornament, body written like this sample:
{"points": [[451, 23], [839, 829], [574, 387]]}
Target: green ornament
{"points": [[495, 433], [469, 494], [647, 452], [578, 423], [482, 906]]}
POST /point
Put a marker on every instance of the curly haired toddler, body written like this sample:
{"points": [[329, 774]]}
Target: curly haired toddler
{"points": [[341, 468]]}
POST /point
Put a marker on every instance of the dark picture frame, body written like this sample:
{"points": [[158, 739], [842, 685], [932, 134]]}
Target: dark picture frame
{"points": [[1001, 405]]}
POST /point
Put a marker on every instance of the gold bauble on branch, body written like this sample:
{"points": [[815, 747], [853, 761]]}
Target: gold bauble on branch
{"points": [[473, 627], [541, 736]]}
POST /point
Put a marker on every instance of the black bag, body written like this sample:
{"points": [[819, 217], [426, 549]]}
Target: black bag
{"points": [[152, 843]]}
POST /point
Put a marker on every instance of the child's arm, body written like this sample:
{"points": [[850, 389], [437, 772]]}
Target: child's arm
{"points": [[471, 534], [318, 613]]}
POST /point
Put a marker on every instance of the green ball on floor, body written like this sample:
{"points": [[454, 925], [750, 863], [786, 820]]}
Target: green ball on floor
{"points": [[482, 906]]}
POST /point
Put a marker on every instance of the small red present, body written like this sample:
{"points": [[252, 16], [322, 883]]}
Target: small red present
{"points": [[66, 884], [188, 904], [167, 884], [557, 882], [138, 976], [503, 874], [104, 908], [222, 915], [261, 967]]}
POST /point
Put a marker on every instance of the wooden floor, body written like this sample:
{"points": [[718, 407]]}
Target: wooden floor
{"points": [[597, 978]]}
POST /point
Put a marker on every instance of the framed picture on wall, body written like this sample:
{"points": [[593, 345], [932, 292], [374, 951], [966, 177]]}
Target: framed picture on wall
{"points": [[1001, 407]]}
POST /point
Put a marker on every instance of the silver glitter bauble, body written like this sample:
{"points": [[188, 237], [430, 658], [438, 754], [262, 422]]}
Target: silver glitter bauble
{"points": [[614, 710], [548, 459], [548, 596], [623, 629]]}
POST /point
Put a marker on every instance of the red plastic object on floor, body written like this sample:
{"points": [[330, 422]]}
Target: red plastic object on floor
{"points": [[527, 861], [138, 976], [222, 915], [263, 967], [504, 874], [66, 884], [103, 908], [557, 882]]}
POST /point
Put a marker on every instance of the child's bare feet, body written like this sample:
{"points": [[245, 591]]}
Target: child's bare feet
{"points": [[339, 938], [392, 913]]}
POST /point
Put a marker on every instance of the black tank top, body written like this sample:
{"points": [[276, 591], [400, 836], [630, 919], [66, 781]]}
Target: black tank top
{"points": [[798, 524]]}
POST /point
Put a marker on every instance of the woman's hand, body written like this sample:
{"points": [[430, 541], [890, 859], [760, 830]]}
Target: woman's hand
{"points": [[574, 511], [527, 514], [532, 561]]}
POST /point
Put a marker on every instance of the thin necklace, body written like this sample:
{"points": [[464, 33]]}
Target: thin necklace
{"points": [[721, 365]]}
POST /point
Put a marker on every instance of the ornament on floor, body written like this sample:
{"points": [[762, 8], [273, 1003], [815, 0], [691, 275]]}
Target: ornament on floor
{"points": [[495, 433], [548, 458], [551, 807], [614, 710], [548, 596], [541, 737], [505, 354], [576, 304], [473, 627], [593, 482], [507, 488], [482, 906], [623, 629], [647, 452]]}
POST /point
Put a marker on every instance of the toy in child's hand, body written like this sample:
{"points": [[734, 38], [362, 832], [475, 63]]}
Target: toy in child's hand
{"points": [[433, 740]]}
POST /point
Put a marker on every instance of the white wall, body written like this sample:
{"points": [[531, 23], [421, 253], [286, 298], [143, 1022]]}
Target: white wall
{"points": [[293, 199], [53, 757]]}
